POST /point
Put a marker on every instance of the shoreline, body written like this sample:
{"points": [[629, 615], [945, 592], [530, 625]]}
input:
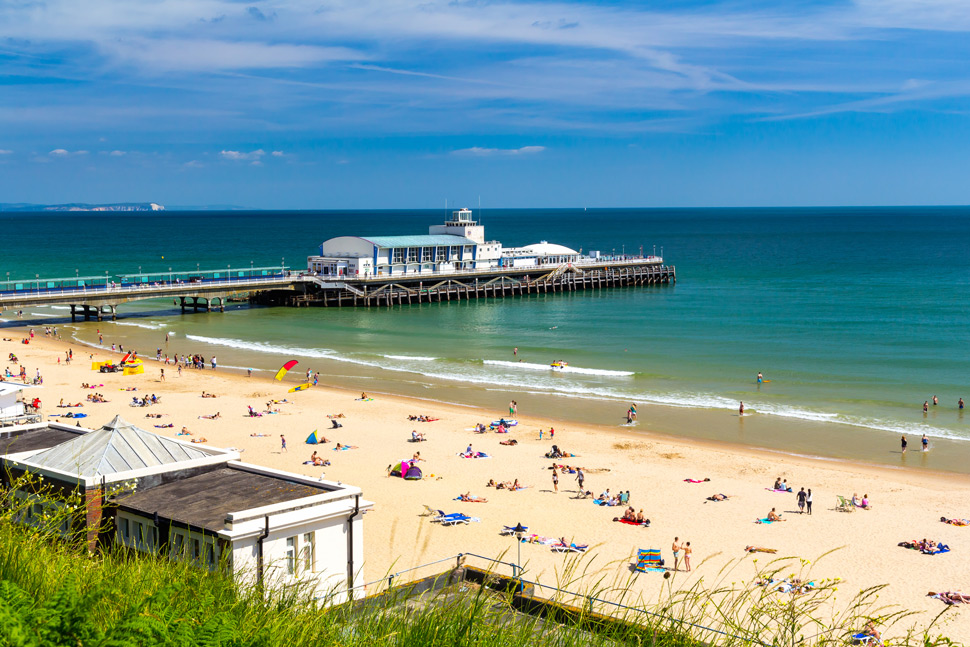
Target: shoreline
{"points": [[637, 433]]}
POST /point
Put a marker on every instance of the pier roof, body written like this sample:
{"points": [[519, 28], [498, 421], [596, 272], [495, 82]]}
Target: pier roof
{"points": [[422, 240]]}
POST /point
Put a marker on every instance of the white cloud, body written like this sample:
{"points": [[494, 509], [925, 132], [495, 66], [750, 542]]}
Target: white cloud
{"points": [[59, 152], [4, 151], [193, 164], [277, 153], [117, 153], [477, 151], [239, 156]]}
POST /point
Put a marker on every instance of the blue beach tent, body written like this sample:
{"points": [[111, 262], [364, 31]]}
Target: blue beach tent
{"points": [[312, 439]]}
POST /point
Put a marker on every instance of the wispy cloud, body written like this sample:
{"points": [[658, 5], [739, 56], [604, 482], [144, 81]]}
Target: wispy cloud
{"points": [[61, 152], [477, 151], [239, 156], [4, 151]]}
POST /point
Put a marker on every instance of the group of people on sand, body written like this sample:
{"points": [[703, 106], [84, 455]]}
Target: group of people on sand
{"points": [[148, 400], [96, 397], [861, 503], [676, 548], [506, 485], [317, 460], [421, 418], [637, 517], [612, 500]]}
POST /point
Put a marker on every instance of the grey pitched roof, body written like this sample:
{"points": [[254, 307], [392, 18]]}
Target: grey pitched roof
{"points": [[119, 446]]}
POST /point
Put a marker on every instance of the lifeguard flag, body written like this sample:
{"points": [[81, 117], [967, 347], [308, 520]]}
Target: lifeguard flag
{"points": [[283, 369], [300, 387], [125, 358]]}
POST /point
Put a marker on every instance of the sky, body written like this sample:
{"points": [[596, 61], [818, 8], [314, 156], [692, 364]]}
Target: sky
{"points": [[409, 104]]}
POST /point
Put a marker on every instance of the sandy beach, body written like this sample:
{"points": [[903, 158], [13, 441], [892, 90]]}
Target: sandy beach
{"points": [[906, 504]]}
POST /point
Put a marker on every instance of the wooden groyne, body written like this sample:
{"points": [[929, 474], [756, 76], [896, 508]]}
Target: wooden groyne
{"points": [[377, 291]]}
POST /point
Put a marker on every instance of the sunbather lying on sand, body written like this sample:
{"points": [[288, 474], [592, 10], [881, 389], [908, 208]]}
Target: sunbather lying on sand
{"points": [[336, 415], [794, 585], [759, 549], [511, 442], [719, 497], [955, 522], [198, 440], [209, 395], [259, 435], [341, 447], [154, 415], [467, 497], [185, 432], [214, 416], [950, 597]]}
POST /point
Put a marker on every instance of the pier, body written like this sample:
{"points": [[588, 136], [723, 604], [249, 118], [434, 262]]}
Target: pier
{"points": [[475, 284]]}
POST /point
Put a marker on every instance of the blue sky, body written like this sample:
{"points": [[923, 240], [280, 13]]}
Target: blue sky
{"points": [[397, 103]]}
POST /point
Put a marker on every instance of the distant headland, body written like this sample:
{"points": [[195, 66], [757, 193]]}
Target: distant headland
{"points": [[80, 206]]}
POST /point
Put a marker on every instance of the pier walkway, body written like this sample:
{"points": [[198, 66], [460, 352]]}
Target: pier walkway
{"points": [[99, 297]]}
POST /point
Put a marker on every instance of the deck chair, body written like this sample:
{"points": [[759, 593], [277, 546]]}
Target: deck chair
{"points": [[454, 519], [429, 511], [510, 530], [571, 548], [844, 505], [649, 560]]}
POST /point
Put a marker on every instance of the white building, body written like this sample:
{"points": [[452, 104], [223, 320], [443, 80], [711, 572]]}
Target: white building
{"points": [[458, 245], [15, 407], [198, 504]]}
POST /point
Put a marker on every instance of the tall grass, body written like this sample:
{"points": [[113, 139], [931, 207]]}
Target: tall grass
{"points": [[54, 592]]}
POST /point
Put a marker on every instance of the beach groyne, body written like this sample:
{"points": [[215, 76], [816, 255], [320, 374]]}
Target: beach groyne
{"points": [[405, 290]]}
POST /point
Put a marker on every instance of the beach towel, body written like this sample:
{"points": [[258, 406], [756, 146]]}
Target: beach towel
{"points": [[539, 539], [474, 455], [364, 399], [766, 520], [571, 548], [71, 415], [343, 449], [771, 489], [164, 426], [630, 522], [696, 480]]}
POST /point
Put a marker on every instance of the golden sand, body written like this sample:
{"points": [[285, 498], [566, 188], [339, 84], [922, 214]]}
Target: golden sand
{"points": [[906, 504]]}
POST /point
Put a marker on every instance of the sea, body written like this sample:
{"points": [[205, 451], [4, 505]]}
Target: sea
{"points": [[855, 317]]}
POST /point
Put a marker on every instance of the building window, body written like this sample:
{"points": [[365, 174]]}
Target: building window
{"points": [[125, 531], [210, 556], [398, 255], [467, 254], [453, 253], [177, 547], [291, 555], [414, 254], [439, 254], [426, 254], [196, 549], [308, 553]]}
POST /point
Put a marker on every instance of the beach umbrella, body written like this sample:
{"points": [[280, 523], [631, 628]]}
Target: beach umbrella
{"points": [[286, 367]]}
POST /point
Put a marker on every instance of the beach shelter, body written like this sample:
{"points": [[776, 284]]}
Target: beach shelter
{"points": [[300, 387], [413, 472], [313, 439]]}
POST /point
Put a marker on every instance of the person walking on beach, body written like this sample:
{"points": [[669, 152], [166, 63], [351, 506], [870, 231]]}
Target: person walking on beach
{"points": [[926, 443], [801, 501], [162, 376], [687, 552], [581, 478], [179, 368], [282, 443], [741, 409], [808, 501], [902, 442], [633, 411], [675, 547], [555, 480], [213, 361]]}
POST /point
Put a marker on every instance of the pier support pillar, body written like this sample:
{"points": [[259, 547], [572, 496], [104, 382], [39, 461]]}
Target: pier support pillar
{"points": [[73, 313]]}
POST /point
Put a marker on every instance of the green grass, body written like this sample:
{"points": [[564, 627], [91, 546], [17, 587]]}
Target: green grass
{"points": [[53, 592]]}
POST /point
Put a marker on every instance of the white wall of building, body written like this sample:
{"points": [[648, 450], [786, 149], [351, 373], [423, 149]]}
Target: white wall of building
{"points": [[10, 405]]}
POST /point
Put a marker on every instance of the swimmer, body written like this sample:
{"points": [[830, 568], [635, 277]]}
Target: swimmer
{"points": [[761, 378]]}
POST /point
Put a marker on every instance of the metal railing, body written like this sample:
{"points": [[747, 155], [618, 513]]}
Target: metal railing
{"points": [[590, 600], [122, 289]]}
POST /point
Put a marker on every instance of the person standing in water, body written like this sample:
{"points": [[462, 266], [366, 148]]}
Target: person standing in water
{"points": [[935, 401], [515, 351], [741, 409], [926, 406], [902, 443], [960, 403], [926, 442], [633, 411], [761, 378]]}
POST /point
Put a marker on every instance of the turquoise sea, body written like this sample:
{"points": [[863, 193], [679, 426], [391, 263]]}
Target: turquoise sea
{"points": [[856, 316]]}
